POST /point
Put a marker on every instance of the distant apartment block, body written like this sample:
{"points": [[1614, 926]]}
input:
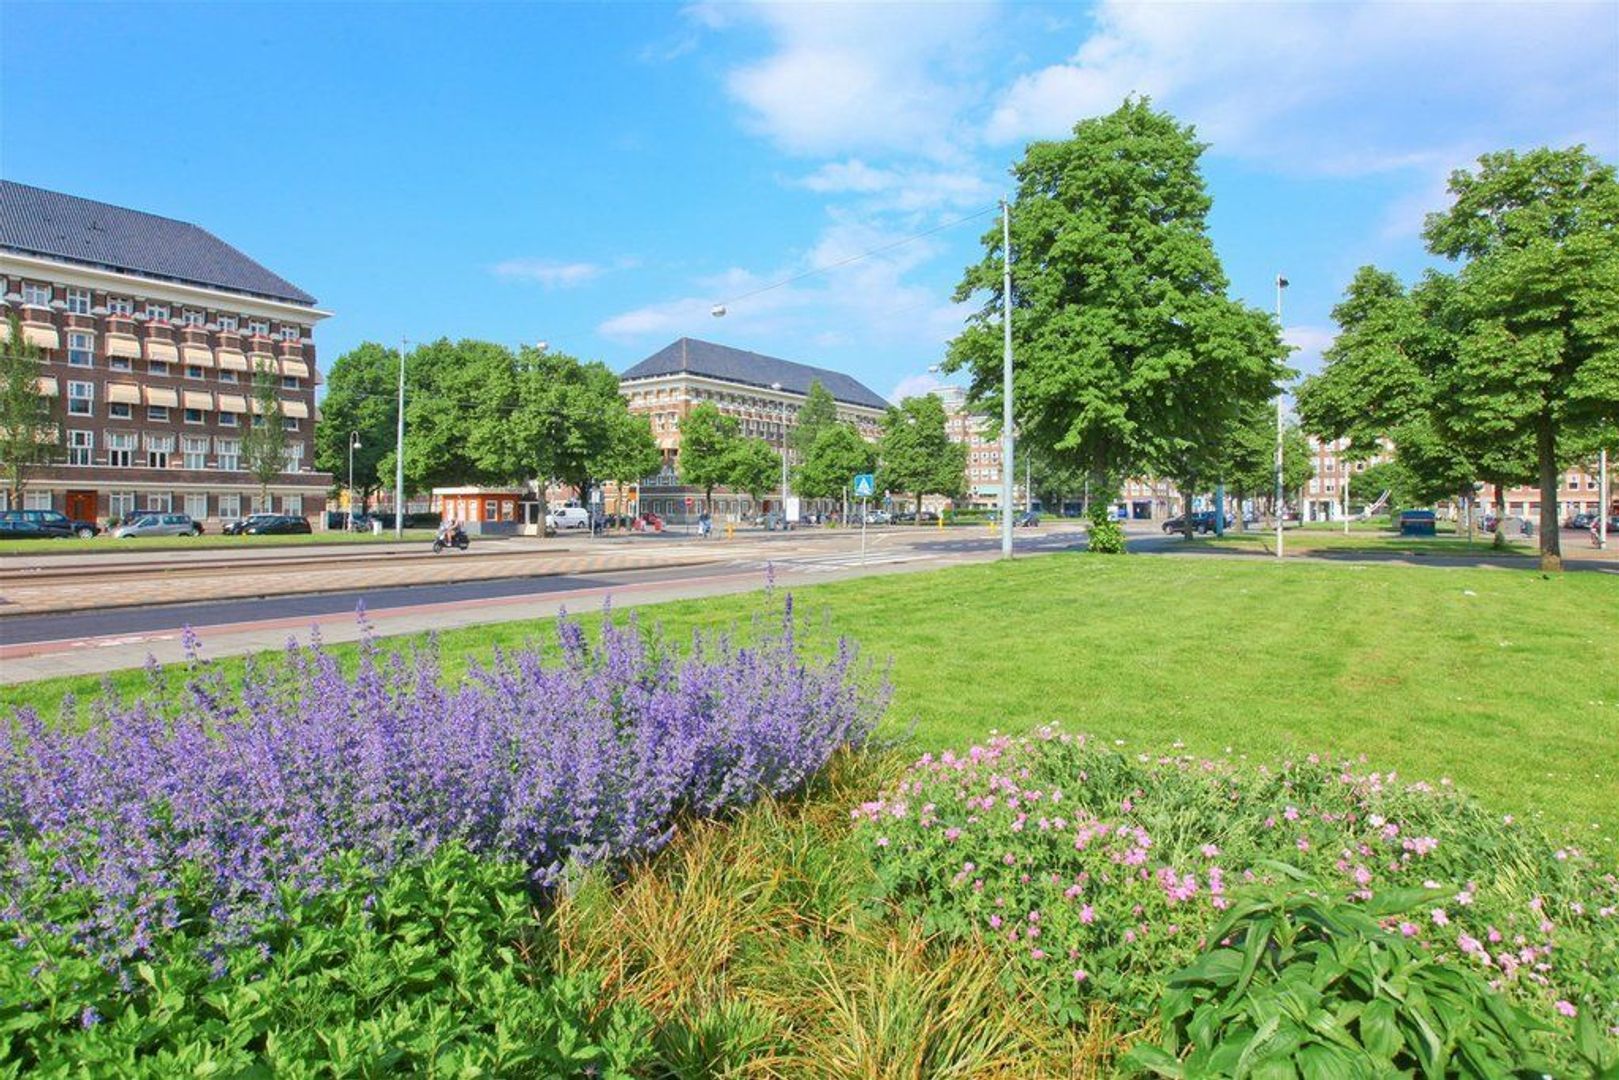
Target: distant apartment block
{"points": [[151, 330]]}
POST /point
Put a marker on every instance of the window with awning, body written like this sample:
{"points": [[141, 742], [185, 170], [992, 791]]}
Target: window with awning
{"points": [[198, 399], [295, 368], [162, 350], [295, 409], [198, 355], [47, 386], [162, 395], [231, 360], [124, 392], [124, 345], [232, 403], [45, 337], [261, 361]]}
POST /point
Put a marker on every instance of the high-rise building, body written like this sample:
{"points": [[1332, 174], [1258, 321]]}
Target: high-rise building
{"points": [[151, 331]]}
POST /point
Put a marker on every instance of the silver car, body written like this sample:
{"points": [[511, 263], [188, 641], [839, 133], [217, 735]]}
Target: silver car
{"points": [[159, 525]]}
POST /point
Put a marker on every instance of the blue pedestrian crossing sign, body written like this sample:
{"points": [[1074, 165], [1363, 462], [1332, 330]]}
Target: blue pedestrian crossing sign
{"points": [[865, 485]]}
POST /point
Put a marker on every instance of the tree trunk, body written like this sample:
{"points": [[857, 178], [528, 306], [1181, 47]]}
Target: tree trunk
{"points": [[1551, 556], [1500, 540], [1187, 484], [1242, 515]]}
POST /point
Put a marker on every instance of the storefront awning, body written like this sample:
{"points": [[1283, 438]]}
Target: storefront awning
{"points": [[124, 345], [231, 360], [162, 350], [198, 399], [197, 355], [162, 395], [124, 393]]}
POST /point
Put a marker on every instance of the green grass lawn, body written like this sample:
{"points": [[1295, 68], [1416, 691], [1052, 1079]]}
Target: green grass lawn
{"points": [[106, 544], [1506, 682], [1312, 538]]}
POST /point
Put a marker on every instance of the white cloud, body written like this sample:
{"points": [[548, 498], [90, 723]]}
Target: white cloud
{"points": [[1308, 342], [1337, 88], [859, 77], [906, 189], [914, 386], [550, 273]]}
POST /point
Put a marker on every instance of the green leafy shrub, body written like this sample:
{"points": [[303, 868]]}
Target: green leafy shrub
{"points": [[434, 971], [1105, 532], [1303, 983]]}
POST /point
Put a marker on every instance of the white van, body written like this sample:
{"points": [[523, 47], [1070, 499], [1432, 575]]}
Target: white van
{"points": [[568, 517]]}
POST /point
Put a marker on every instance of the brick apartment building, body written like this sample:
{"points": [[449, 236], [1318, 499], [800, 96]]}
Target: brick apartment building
{"points": [[151, 329], [764, 393]]}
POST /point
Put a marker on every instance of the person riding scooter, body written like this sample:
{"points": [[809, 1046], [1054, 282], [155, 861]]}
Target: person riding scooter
{"points": [[450, 534]]}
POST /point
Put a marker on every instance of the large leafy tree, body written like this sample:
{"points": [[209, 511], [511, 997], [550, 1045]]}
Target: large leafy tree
{"points": [[445, 384], [830, 465], [361, 396], [916, 455], [29, 434], [708, 439], [631, 451], [818, 413], [1130, 357], [1533, 306], [754, 467], [264, 444]]}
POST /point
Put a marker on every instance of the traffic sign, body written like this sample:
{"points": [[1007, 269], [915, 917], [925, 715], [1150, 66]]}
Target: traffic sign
{"points": [[865, 485]]}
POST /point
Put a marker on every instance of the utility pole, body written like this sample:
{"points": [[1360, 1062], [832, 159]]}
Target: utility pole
{"points": [[1606, 507], [1007, 474], [399, 450], [1281, 283]]}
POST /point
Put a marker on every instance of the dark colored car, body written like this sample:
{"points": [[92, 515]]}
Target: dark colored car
{"points": [[238, 527], [22, 529], [1579, 521], [1028, 519], [54, 522], [1202, 522], [276, 525], [1418, 523]]}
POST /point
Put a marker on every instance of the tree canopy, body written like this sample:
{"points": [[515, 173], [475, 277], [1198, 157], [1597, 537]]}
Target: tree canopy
{"points": [[707, 440], [754, 467], [831, 464], [361, 396], [916, 455], [818, 413], [1129, 357], [264, 443], [29, 433]]}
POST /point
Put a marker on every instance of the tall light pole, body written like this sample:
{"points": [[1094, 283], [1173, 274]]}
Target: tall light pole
{"points": [[1281, 283], [1605, 507], [354, 444], [781, 409], [399, 450], [1007, 474]]}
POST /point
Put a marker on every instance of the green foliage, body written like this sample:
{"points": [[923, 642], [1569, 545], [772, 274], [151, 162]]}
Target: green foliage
{"points": [[431, 971], [753, 466], [916, 455], [1129, 356], [29, 435], [818, 413], [631, 451], [708, 438], [444, 384], [1105, 532], [1302, 983], [362, 395], [264, 443], [832, 462]]}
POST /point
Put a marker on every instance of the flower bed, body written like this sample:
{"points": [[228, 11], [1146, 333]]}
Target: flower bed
{"points": [[1100, 873], [215, 814]]}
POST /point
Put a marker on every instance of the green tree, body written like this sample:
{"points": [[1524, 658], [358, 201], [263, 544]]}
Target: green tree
{"points": [[1129, 356], [754, 466], [444, 390], [1533, 305], [915, 454], [1055, 481], [631, 452], [264, 443], [831, 464], [361, 396], [818, 413], [707, 440], [29, 434]]}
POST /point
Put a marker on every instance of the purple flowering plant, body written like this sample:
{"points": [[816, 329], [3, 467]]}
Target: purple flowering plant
{"points": [[1099, 872], [213, 815]]}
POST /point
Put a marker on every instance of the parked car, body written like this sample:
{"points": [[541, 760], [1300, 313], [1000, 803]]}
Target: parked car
{"points": [[1579, 521], [1202, 522], [878, 517], [568, 517], [1418, 523], [159, 525], [1028, 519], [54, 522], [275, 525], [236, 528], [926, 517], [22, 529]]}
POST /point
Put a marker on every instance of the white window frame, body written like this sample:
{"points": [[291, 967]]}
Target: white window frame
{"points": [[120, 410], [37, 500], [81, 391], [81, 447], [228, 377], [156, 312], [157, 367], [186, 415], [228, 454], [196, 371], [229, 507], [228, 322], [36, 295], [160, 503], [120, 503], [194, 452], [157, 414], [120, 305], [196, 505], [292, 505], [259, 326], [121, 447], [228, 419], [290, 382], [192, 318], [292, 333], [78, 301], [289, 423], [119, 363], [81, 349]]}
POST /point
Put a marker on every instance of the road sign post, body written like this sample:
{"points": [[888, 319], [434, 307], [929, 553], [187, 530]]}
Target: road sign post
{"points": [[865, 485]]}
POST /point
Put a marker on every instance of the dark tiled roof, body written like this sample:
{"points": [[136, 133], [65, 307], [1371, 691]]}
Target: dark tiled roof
{"points": [[751, 368], [39, 222]]}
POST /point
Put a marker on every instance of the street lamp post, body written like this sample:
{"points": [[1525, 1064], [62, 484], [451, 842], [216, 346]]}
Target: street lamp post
{"points": [[399, 450], [1007, 473], [354, 444], [781, 409], [1281, 283]]}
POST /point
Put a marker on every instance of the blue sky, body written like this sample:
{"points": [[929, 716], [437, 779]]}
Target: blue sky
{"points": [[598, 176]]}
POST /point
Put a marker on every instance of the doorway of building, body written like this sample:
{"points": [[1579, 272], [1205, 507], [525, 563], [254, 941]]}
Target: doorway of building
{"points": [[80, 505]]}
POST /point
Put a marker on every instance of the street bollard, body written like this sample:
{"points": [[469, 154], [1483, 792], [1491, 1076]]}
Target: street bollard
{"points": [[730, 529]]}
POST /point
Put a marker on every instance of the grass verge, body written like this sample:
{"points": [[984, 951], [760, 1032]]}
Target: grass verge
{"points": [[1362, 541], [1507, 683], [107, 545]]}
